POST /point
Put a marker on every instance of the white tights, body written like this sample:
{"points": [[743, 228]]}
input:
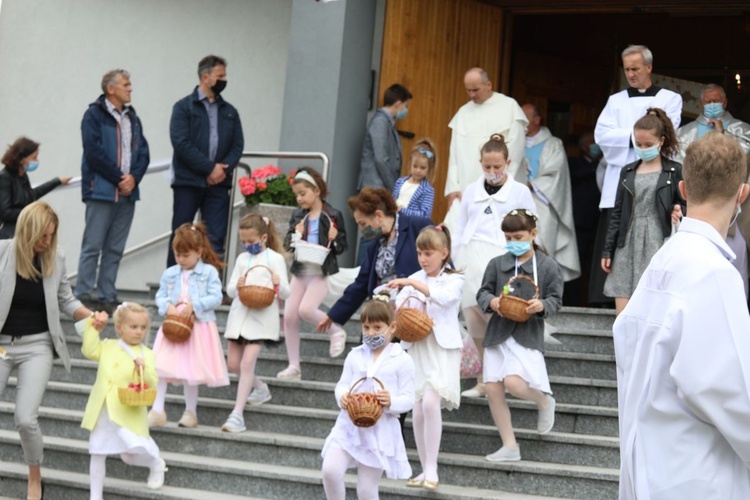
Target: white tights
{"points": [[190, 392], [335, 464], [98, 469], [241, 361], [428, 431]]}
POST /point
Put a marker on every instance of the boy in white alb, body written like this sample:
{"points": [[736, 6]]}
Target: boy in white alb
{"points": [[682, 346]]}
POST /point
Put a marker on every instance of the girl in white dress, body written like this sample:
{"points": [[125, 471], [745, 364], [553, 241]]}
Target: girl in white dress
{"points": [[437, 357], [477, 237], [247, 329], [379, 448], [117, 429]]}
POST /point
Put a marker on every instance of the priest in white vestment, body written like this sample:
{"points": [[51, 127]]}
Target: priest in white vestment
{"points": [[485, 114], [715, 117], [613, 132], [545, 171], [682, 347]]}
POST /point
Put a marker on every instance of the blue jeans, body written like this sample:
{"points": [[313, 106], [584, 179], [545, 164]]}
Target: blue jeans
{"points": [[213, 203], [107, 228]]}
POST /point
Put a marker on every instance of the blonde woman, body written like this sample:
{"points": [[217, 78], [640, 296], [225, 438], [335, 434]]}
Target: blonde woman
{"points": [[34, 292]]}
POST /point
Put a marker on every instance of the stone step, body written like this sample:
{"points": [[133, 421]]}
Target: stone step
{"points": [[223, 475], [458, 437], [580, 391], [238, 474], [562, 364], [583, 340], [583, 318]]}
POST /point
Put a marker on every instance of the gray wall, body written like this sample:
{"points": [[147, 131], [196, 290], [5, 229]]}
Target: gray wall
{"points": [[55, 52], [327, 91]]}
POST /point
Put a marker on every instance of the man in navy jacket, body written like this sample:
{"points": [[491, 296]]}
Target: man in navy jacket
{"points": [[207, 138], [115, 159]]}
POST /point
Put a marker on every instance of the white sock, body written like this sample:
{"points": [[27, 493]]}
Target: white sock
{"points": [[191, 397], [97, 472]]}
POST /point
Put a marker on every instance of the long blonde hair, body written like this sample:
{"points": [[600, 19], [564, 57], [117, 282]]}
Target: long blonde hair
{"points": [[32, 223]]}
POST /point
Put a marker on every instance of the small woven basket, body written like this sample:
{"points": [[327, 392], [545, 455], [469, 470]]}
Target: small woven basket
{"points": [[257, 296], [412, 324], [363, 407], [312, 253], [140, 395], [514, 308], [176, 328]]}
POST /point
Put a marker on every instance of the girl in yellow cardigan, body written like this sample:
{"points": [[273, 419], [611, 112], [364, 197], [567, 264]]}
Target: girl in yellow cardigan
{"points": [[116, 428]]}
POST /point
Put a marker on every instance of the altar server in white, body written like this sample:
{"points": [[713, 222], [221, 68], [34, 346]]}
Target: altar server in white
{"points": [[485, 114], [545, 170], [682, 348]]}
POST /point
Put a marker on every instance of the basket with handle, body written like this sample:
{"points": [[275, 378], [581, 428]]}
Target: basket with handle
{"points": [[412, 324], [514, 308], [257, 296], [176, 328], [363, 407], [137, 393], [312, 253]]}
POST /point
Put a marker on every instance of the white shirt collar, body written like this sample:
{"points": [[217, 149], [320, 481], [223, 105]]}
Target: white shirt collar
{"points": [[706, 230]]}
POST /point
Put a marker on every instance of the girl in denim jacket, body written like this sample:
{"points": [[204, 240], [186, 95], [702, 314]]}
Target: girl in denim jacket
{"points": [[192, 287]]}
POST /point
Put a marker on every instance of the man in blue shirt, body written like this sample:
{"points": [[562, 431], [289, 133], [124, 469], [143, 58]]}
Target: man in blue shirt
{"points": [[207, 138]]}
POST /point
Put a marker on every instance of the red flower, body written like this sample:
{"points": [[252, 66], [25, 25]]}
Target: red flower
{"points": [[262, 186], [247, 186]]}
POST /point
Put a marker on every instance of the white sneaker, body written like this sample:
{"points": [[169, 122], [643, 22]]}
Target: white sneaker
{"points": [[156, 476], [290, 373], [235, 423], [505, 455], [546, 417], [259, 396], [478, 391]]}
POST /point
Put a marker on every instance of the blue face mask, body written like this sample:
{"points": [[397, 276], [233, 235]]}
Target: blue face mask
{"points": [[253, 248], [647, 154], [713, 110], [33, 165], [595, 151], [518, 248], [402, 114], [375, 341]]}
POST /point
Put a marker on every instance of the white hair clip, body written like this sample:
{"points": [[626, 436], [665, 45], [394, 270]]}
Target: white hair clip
{"points": [[382, 298], [265, 219], [124, 304]]}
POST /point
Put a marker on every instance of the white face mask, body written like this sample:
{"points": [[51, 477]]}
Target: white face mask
{"points": [[737, 214], [494, 178]]}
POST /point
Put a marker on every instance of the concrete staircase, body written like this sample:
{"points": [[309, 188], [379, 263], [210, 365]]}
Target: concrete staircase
{"points": [[279, 456]]}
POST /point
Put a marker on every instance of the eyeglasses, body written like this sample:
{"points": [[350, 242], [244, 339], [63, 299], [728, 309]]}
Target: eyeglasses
{"points": [[429, 154], [523, 211]]}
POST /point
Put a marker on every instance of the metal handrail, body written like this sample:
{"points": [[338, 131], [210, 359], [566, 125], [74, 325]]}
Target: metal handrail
{"points": [[166, 164]]}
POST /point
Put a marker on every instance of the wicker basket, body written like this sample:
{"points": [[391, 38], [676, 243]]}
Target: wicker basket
{"points": [[138, 394], [413, 325], [312, 253], [363, 407], [514, 308], [176, 328], [257, 296]]}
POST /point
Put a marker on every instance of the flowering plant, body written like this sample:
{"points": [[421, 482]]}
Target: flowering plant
{"points": [[268, 185]]}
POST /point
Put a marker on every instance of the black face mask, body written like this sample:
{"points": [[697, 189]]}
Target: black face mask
{"points": [[219, 86]]}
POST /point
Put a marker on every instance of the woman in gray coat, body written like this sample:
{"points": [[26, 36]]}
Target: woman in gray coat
{"points": [[34, 292]]}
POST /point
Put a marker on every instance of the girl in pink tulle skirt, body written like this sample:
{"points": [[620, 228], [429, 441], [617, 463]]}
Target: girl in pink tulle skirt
{"points": [[191, 288]]}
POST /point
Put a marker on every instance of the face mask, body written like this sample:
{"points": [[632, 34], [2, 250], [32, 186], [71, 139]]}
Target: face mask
{"points": [[375, 341], [219, 86], [518, 248], [33, 165], [369, 233], [494, 178], [253, 248], [647, 154], [713, 110], [595, 151], [402, 114]]}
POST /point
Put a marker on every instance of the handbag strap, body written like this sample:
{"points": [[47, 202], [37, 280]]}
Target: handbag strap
{"points": [[127, 349]]}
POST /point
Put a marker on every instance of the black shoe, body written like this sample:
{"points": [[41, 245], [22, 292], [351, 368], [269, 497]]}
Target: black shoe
{"points": [[109, 307], [88, 302]]}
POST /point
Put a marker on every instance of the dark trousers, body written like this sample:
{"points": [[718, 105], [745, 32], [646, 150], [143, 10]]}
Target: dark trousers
{"points": [[213, 202], [598, 276]]}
